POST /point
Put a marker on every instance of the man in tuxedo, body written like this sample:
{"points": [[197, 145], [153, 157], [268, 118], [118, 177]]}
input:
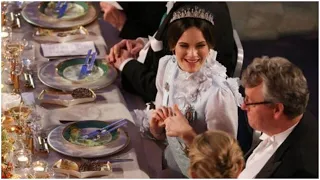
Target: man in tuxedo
{"points": [[276, 98], [138, 75], [136, 19]]}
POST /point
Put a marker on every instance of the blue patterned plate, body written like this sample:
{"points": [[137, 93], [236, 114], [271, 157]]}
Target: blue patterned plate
{"points": [[59, 140]]}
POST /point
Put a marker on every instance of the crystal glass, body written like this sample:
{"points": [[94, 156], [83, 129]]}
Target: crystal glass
{"points": [[40, 166], [49, 174], [22, 158], [6, 33], [58, 175], [12, 62], [24, 173]]}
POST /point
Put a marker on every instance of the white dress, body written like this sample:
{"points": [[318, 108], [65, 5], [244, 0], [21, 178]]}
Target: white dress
{"points": [[208, 99]]}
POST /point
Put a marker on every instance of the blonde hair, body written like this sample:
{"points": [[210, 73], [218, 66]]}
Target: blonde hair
{"points": [[215, 154]]}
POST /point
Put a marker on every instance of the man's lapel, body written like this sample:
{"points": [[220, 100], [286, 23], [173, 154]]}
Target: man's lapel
{"points": [[246, 156], [275, 160]]}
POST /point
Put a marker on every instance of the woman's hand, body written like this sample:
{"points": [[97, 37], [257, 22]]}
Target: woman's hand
{"points": [[157, 120], [178, 126]]}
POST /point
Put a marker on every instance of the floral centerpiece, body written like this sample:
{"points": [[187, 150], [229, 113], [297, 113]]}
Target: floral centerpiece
{"points": [[6, 148]]}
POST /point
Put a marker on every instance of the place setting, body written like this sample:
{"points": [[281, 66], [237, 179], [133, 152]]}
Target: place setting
{"points": [[59, 15], [73, 73]]}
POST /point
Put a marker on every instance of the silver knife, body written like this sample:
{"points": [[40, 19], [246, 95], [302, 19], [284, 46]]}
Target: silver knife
{"points": [[112, 161], [31, 80]]}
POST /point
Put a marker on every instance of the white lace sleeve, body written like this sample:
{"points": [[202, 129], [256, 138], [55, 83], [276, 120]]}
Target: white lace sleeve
{"points": [[144, 116], [222, 112], [159, 79]]}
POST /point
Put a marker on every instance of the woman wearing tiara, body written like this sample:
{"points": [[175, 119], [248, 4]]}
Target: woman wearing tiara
{"points": [[196, 83], [138, 75]]}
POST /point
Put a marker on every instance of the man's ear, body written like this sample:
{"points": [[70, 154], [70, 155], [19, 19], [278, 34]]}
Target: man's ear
{"points": [[278, 110]]}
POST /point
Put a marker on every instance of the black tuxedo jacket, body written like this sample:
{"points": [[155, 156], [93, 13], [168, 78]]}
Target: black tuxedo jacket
{"points": [[140, 78], [297, 157], [143, 18]]}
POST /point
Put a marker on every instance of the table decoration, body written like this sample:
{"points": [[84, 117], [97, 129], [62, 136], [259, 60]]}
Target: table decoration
{"points": [[9, 100], [60, 36], [6, 32], [64, 75], [67, 99], [22, 158], [18, 113], [85, 169], [40, 166], [46, 18], [59, 140]]}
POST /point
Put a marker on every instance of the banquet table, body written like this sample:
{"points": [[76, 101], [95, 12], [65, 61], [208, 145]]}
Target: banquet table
{"points": [[112, 103]]}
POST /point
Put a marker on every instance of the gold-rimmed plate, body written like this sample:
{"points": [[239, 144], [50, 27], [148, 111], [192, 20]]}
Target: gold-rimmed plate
{"points": [[63, 75], [57, 141], [33, 14]]}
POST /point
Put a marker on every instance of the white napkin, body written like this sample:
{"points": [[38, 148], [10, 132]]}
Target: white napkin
{"points": [[67, 49], [81, 112]]}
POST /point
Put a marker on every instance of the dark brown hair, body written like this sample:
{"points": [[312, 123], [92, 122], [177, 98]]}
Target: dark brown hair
{"points": [[178, 27]]}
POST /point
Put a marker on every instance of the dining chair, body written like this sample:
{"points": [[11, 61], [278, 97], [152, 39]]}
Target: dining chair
{"points": [[240, 54]]}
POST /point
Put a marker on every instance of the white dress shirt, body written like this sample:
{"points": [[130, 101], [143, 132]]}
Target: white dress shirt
{"points": [[263, 152]]}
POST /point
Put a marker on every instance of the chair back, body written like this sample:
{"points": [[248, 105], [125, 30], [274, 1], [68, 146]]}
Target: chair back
{"points": [[240, 54]]}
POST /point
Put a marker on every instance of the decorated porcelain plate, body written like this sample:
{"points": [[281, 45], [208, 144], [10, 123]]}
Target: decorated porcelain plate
{"points": [[73, 132], [60, 139], [64, 75], [42, 14], [74, 10]]}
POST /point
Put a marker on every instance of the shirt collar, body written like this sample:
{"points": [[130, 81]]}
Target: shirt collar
{"points": [[280, 137]]}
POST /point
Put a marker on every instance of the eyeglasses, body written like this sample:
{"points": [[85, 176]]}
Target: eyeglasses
{"points": [[258, 103], [255, 103]]}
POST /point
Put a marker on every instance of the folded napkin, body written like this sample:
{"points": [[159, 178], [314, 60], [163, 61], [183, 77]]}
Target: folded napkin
{"points": [[81, 112], [67, 49]]}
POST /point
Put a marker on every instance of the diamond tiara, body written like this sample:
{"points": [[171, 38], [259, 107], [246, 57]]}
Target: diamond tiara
{"points": [[195, 12]]}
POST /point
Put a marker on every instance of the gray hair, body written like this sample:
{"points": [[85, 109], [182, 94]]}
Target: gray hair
{"points": [[283, 82]]}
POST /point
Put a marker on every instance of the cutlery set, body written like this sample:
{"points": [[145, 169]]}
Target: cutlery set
{"points": [[42, 143], [105, 130], [61, 8], [88, 65]]}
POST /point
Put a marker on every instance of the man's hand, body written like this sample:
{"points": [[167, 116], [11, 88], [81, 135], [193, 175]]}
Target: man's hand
{"points": [[178, 126], [115, 17], [131, 47], [124, 54]]}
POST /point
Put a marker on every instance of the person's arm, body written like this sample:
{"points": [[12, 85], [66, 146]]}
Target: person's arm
{"points": [[143, 18], [160, 113], [141, 78]]}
